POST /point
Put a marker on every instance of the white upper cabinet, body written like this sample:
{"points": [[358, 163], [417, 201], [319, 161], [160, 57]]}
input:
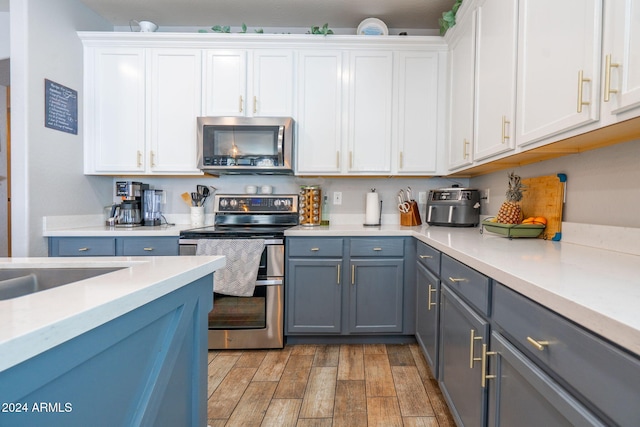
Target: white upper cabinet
{"points": [[621, 82], [370, 111], [461, 68], [248, 83], [559, 53], [320, 111], [114, 110], [496, 71], [419, 116], [139, 110], [175, 99]]}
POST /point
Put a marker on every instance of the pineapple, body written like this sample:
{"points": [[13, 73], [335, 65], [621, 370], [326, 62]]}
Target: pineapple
{"points": [[510, 212]]}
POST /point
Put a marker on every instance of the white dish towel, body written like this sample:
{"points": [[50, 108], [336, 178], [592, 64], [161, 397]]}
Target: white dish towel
{"points": [[238, 277]]}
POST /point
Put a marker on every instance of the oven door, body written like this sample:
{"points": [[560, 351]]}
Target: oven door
{"points": [[256, 321]]}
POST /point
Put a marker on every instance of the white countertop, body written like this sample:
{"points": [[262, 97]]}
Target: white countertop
{"points": [[37, 322], [596, 288]]}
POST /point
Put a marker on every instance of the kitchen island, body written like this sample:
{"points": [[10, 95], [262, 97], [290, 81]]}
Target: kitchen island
{"points": [[124, 348]]}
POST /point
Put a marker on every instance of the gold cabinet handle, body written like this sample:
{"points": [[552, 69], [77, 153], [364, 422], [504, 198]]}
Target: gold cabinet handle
{"points": [[255, 104], [607, 78], [353, 274], [465, 154], [426, 256], [152, 158], [429, 303], [338, 273], [505, 122], [148, 249], [539, 345], [472, 339], [315, 249], [85, 249], [401, 161], [350, 159], [139, 158], [484, 376], [240, 102], [581, 81], [338, 159], [377, 249], [456, 280]]}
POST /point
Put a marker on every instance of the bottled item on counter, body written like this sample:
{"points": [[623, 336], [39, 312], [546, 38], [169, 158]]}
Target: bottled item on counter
{"points": [[324, 219]]}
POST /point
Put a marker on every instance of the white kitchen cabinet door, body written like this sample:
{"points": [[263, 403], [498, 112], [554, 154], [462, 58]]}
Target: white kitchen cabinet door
{"points": [[461, 68], [174, 103], [559, 52], [496, 70], [225, 82], [271, 90], [319, 115], [114, 110], [621, 91], [419, 117], [370, 111]]}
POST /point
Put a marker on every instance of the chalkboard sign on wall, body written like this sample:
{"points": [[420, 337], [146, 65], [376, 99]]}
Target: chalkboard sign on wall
{"points": [[60, 107]]}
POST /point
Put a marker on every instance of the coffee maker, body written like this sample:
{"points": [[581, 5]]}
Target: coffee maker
{"points": [[129, 212]]}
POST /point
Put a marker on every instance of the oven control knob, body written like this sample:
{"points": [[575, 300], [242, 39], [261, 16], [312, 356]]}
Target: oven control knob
{"points": [[224, 203], [233, 203], [277, 203]]}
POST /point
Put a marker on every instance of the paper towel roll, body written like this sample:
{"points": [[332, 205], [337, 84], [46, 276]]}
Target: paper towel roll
{"points": [[372, 209]]}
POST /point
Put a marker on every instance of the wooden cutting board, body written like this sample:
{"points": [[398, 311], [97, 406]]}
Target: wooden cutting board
{"points": [[544, 196]]}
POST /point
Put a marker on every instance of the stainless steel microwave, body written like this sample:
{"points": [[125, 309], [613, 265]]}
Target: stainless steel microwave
{"points": [[245, 145]]}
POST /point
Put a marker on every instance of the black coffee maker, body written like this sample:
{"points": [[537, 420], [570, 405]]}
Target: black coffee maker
{"points": [[129, 212]]}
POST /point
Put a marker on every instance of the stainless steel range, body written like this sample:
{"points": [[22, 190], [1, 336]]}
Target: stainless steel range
{"points": [[256, 321]]}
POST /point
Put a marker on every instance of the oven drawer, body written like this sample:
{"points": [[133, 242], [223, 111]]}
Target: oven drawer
{"points": [[377, 247], [305, 247]]}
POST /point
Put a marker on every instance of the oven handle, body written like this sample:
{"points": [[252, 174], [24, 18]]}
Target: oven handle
{"points": [[268, 242], [270, 281]]}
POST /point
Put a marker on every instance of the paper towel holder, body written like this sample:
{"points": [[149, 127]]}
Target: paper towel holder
{"points": [[373, 190]]}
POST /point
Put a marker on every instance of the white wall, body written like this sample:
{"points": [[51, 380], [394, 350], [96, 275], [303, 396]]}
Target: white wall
{"points": [[47, 173], [4, 34], [603, 185]]}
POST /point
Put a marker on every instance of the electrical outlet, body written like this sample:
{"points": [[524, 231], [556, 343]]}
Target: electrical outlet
{"points": [[485, 195], [422, 197], [337, 198]]}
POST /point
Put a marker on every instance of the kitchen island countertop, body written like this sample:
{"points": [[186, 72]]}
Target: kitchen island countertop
{"points": [[34, 323], [596, 288]]}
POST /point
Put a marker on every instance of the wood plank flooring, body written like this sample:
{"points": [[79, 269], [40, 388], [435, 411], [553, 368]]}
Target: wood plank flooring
{"points": [[324, 386]]}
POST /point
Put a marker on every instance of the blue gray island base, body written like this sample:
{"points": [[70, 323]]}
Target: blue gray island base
{"points": [[145, 368]]}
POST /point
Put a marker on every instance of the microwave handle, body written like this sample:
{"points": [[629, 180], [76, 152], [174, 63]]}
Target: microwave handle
{"points": [[280, 146]]}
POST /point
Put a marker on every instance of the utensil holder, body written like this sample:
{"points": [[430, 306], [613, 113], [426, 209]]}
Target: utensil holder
{"points": [[197, 216], [412, 217]]}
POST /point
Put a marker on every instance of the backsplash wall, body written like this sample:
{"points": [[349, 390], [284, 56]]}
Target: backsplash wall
{"points": [[603, 185]]}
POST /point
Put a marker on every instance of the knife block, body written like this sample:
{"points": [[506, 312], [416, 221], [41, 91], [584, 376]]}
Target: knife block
{"points": [[412, 217]]}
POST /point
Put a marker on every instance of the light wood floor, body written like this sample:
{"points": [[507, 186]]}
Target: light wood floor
{"points": [[324, 385]]}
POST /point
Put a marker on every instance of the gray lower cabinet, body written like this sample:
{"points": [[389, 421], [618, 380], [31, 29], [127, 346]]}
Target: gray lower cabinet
{"points": [[347, 286], [376, 295], [314, 296], [522, 395], [427, 315], [462, 335], [113, 246]]}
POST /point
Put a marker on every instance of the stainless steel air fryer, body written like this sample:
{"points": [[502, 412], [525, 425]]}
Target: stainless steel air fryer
{"points": [[454, 207]]}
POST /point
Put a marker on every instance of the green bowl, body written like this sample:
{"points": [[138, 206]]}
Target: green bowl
{"points": [[513, 230]]}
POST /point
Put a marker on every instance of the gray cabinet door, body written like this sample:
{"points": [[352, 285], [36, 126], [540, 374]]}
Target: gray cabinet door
{"points": [[524, 396], [427, 314], [314, 296], [461, 383], [376, 295]]}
